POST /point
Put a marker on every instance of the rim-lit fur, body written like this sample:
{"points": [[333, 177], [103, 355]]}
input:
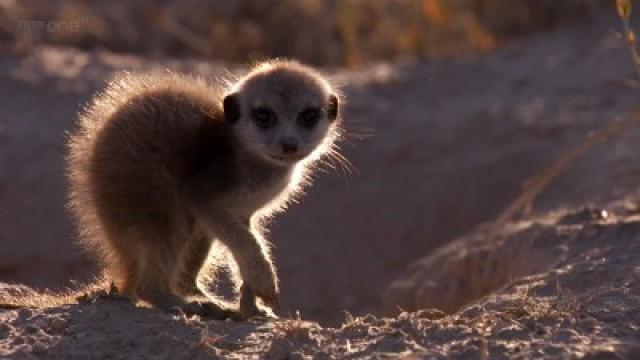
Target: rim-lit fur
{"points": [[157, 173]]}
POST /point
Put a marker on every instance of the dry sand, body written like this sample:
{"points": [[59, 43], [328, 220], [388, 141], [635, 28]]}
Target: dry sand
{"points": [[585, 305]]}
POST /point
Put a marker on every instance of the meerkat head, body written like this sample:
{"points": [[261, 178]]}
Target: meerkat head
{"points": [[282, 111]]}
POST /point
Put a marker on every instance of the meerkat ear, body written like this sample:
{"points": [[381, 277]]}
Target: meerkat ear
{"points": [[231, 108], [332, 111]]}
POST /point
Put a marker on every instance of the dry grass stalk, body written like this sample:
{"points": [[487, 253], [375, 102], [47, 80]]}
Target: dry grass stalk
{"points": [[624, 11], [535, 185]]}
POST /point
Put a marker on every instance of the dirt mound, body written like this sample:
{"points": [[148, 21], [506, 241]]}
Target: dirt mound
{"points": [[471, 267]]}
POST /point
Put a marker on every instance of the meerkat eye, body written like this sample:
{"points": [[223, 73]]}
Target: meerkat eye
{"points": [[309, 117], [263, 117]]}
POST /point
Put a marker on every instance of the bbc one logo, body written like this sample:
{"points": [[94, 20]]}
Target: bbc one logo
{"points": [[52, 26]]}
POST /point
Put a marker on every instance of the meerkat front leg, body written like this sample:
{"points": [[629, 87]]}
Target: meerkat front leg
{"points": [[257, 271]]}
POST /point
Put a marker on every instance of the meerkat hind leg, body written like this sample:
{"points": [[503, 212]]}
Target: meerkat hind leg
{"points": [[174, 303], [193, 259], [161, 297], [153, 285]]}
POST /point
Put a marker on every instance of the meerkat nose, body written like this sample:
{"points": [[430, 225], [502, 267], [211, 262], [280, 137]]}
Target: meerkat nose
{"points": [[289, 146]]}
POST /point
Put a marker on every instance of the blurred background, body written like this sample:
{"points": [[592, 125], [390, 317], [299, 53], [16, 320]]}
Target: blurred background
{"points": [[451, 106], [320, 32]]}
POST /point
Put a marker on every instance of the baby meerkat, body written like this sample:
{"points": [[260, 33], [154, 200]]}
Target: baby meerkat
{"points": [[164, 164]]}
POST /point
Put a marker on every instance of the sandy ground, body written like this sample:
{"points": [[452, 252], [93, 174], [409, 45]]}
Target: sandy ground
{"points": [[584, 305], [449, 145]]}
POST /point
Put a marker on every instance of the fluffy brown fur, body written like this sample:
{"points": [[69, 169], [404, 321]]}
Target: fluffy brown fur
{"points": [[164, 164]]}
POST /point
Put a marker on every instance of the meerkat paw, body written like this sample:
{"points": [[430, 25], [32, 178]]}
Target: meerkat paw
{"points": [[205, 309], [263, 283], [212, 310], [249, 308], [176, 304]]}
